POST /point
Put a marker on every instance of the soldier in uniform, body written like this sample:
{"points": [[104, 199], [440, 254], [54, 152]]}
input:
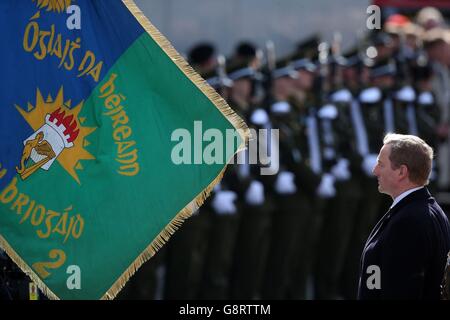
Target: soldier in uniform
{"points": [[341, 210], [383, 44], [356, 70], [314, 185], [287, 218], [253, 202], [223, 213], [247, 54], [202, 57]]}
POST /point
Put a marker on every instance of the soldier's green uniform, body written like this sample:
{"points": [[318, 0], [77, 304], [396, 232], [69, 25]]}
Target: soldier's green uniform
{"points": [[288, 221], [322, 142], [255, 207], [302, 148], [309, 178], [341, 210], [221, 239]]}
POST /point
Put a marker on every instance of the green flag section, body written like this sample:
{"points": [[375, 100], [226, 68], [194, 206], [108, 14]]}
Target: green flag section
{"points": [[91, 185]]}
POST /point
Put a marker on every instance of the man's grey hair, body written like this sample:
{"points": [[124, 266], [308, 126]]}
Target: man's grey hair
{"points": [[412, 152]]}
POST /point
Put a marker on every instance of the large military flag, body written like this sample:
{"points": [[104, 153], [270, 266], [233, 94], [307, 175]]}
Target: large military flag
{"points": [[94, 104]]}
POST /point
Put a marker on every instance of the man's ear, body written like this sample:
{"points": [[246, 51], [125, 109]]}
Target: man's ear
{"points": [[404, 172]]}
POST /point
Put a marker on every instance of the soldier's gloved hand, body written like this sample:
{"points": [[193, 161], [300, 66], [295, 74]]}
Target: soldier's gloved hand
{"points": [[255, 193], [223, 202], [326, 188], [406, 94], [285, 183], [369, 163], [341, 170]]}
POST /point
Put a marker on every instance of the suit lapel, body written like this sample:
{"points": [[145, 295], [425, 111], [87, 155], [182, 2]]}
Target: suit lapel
{"points": [[378, 226], [418, 194]]}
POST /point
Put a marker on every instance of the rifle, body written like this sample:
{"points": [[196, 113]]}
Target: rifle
{"points": [[269, 68], [221, 73], [258, 89], [337, 54], [422, 58], [323, 87], [362, 47]]}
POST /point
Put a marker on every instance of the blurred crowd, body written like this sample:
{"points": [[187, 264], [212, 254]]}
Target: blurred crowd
{"points": [[299, 234]]}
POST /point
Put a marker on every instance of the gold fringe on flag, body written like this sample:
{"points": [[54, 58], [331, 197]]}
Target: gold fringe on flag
{"points": [[190, 208]]}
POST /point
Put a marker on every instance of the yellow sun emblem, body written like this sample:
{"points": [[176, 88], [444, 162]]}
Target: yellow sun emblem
{"points": [[70, 158], [53, 5]]}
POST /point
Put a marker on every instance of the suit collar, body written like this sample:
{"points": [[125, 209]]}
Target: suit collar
{"points": [[403, 195], [421, 194]]}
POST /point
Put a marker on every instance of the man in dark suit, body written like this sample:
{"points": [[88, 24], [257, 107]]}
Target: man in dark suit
{"points": [[405, 255]]}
